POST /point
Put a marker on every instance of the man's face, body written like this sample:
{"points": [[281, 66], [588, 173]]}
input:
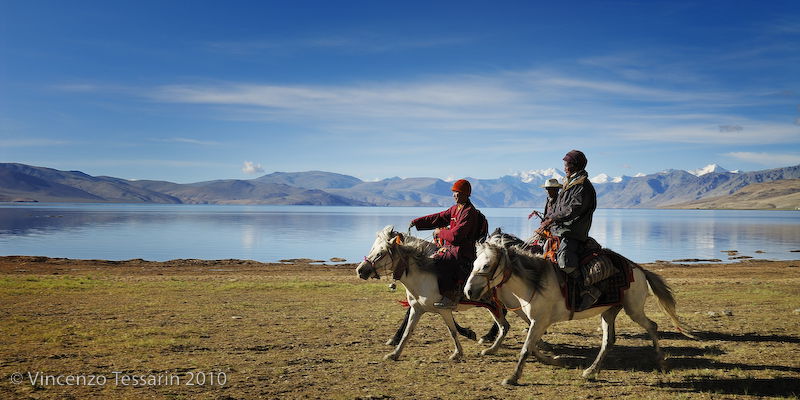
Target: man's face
{"points": [[568, 168], [552, 192], [460, 198]]}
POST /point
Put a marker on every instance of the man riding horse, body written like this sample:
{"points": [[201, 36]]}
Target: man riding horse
{"points": [[571, 219], [458, 228]]}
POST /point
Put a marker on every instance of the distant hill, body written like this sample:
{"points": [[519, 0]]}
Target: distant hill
{"points": [[27, 183], [778, 195], [671, 188], [20, 182], [675, 186], [252, 191], [311, 180]]}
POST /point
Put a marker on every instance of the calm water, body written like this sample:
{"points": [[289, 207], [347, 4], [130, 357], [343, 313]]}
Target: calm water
{"points": [[271, 233]]}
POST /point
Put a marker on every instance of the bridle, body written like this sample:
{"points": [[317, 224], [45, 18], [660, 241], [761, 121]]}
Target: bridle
{"points": [[493, 272], [373, 263], [506, 273]]}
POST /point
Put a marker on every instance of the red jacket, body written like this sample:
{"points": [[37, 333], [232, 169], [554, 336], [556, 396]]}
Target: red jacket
{"points": [[460, 230]]}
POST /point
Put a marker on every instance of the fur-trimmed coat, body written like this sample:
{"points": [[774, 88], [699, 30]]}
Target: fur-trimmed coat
{"points": [[572, 214]]}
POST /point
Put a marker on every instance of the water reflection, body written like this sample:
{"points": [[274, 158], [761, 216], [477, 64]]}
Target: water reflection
{"points": [[270, 233]]}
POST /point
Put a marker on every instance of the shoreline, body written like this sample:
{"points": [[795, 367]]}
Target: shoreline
{"points": [[15, 264]]}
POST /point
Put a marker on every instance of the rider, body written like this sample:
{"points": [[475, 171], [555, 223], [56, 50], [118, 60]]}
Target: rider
{"points": [[552, 187], [459, 227], [571, 219]]}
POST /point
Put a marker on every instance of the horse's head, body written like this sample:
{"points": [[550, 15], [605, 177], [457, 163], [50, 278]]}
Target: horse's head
{"points": [[380, 256], [485, 270]]}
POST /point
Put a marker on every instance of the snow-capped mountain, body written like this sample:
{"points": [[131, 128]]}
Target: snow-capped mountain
{"points": [[709, 169], [539, 175], [604, 178], [28, 183]]}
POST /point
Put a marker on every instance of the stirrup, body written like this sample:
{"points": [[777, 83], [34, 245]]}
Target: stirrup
{"points": [[589, 298], [445, 302]]}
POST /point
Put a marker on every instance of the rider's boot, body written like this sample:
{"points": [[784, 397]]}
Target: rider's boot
{"points": [[445, 302], [589, 294], [589, 297]]}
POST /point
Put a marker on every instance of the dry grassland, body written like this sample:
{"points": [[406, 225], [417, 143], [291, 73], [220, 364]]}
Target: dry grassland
{"points": [[310, 331]]}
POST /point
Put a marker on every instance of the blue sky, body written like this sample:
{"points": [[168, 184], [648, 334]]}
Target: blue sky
{"points": [[193, 91]]}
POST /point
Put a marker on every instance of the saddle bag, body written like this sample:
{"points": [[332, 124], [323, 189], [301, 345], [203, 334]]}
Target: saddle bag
{"points": [[598, 268]]}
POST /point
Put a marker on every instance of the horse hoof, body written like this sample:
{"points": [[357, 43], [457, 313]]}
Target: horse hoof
{"points": [[589, 374], [390, 357], [455, 357], [488, 352], [510, 382]]}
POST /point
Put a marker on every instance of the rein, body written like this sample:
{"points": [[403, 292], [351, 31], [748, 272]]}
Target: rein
{"points": [[380, 257], [506, 273]]}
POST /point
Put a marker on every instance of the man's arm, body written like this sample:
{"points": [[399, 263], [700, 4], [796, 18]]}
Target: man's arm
{"points": [[437, 220], [462, 231]]}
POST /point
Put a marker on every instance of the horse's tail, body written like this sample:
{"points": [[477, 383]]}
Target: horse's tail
{"points": [[666, 301]]}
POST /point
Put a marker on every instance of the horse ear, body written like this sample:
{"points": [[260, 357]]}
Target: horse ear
{"points": [[399, 239]]}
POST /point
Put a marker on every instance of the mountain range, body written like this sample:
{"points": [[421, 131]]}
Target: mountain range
{"points": [[19, 182]]}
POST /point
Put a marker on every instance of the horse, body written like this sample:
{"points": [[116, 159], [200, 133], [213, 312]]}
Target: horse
{"points": [[394, 252], [528, 281]]}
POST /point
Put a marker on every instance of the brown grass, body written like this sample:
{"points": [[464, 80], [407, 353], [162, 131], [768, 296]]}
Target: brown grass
{"points": [[310, 331]]}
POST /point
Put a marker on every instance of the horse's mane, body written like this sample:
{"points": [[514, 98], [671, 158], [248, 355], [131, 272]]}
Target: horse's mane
{"points": [[531, 268], [421, 251], [505, 239], [418, 249]]}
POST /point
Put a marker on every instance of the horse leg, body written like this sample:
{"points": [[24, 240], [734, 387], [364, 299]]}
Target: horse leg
{"points": [[608, 319], [535, 332], [522, 315], [399, 333], [447, 316], [636, 312], [501, 322], [413, 318], [492, 334], [465, 332]]}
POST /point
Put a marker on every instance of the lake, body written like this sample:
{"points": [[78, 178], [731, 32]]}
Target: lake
{"points": [[271, 233]]}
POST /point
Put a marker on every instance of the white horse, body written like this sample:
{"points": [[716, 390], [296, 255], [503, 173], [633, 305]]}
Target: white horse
{"points": [[394, 251], [530, 282]]}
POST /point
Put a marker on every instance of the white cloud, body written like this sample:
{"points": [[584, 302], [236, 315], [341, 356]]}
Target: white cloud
{"points": [[756, 133], [352, 43], [32, 142], [188, 141], [521, 103], [767, 159], [250, 167]]}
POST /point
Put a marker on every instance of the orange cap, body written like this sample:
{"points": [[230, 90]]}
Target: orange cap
{"points": [[462, 186]]}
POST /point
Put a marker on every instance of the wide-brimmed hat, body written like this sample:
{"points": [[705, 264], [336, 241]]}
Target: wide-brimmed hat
{"points": [[552, 183]]}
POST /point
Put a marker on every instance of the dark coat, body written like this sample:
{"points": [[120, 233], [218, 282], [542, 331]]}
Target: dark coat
{"points": [[465, 226], [548, 206], [572, 215]]}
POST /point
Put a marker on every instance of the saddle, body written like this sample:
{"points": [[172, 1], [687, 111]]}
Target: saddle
{"points": [[602, 268]]}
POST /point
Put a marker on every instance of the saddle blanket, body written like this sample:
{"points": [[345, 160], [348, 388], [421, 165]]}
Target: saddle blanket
{"points": [[605, 270]]}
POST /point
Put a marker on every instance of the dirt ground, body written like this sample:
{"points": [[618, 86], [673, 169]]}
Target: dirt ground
{"points": [[232, 329]]}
